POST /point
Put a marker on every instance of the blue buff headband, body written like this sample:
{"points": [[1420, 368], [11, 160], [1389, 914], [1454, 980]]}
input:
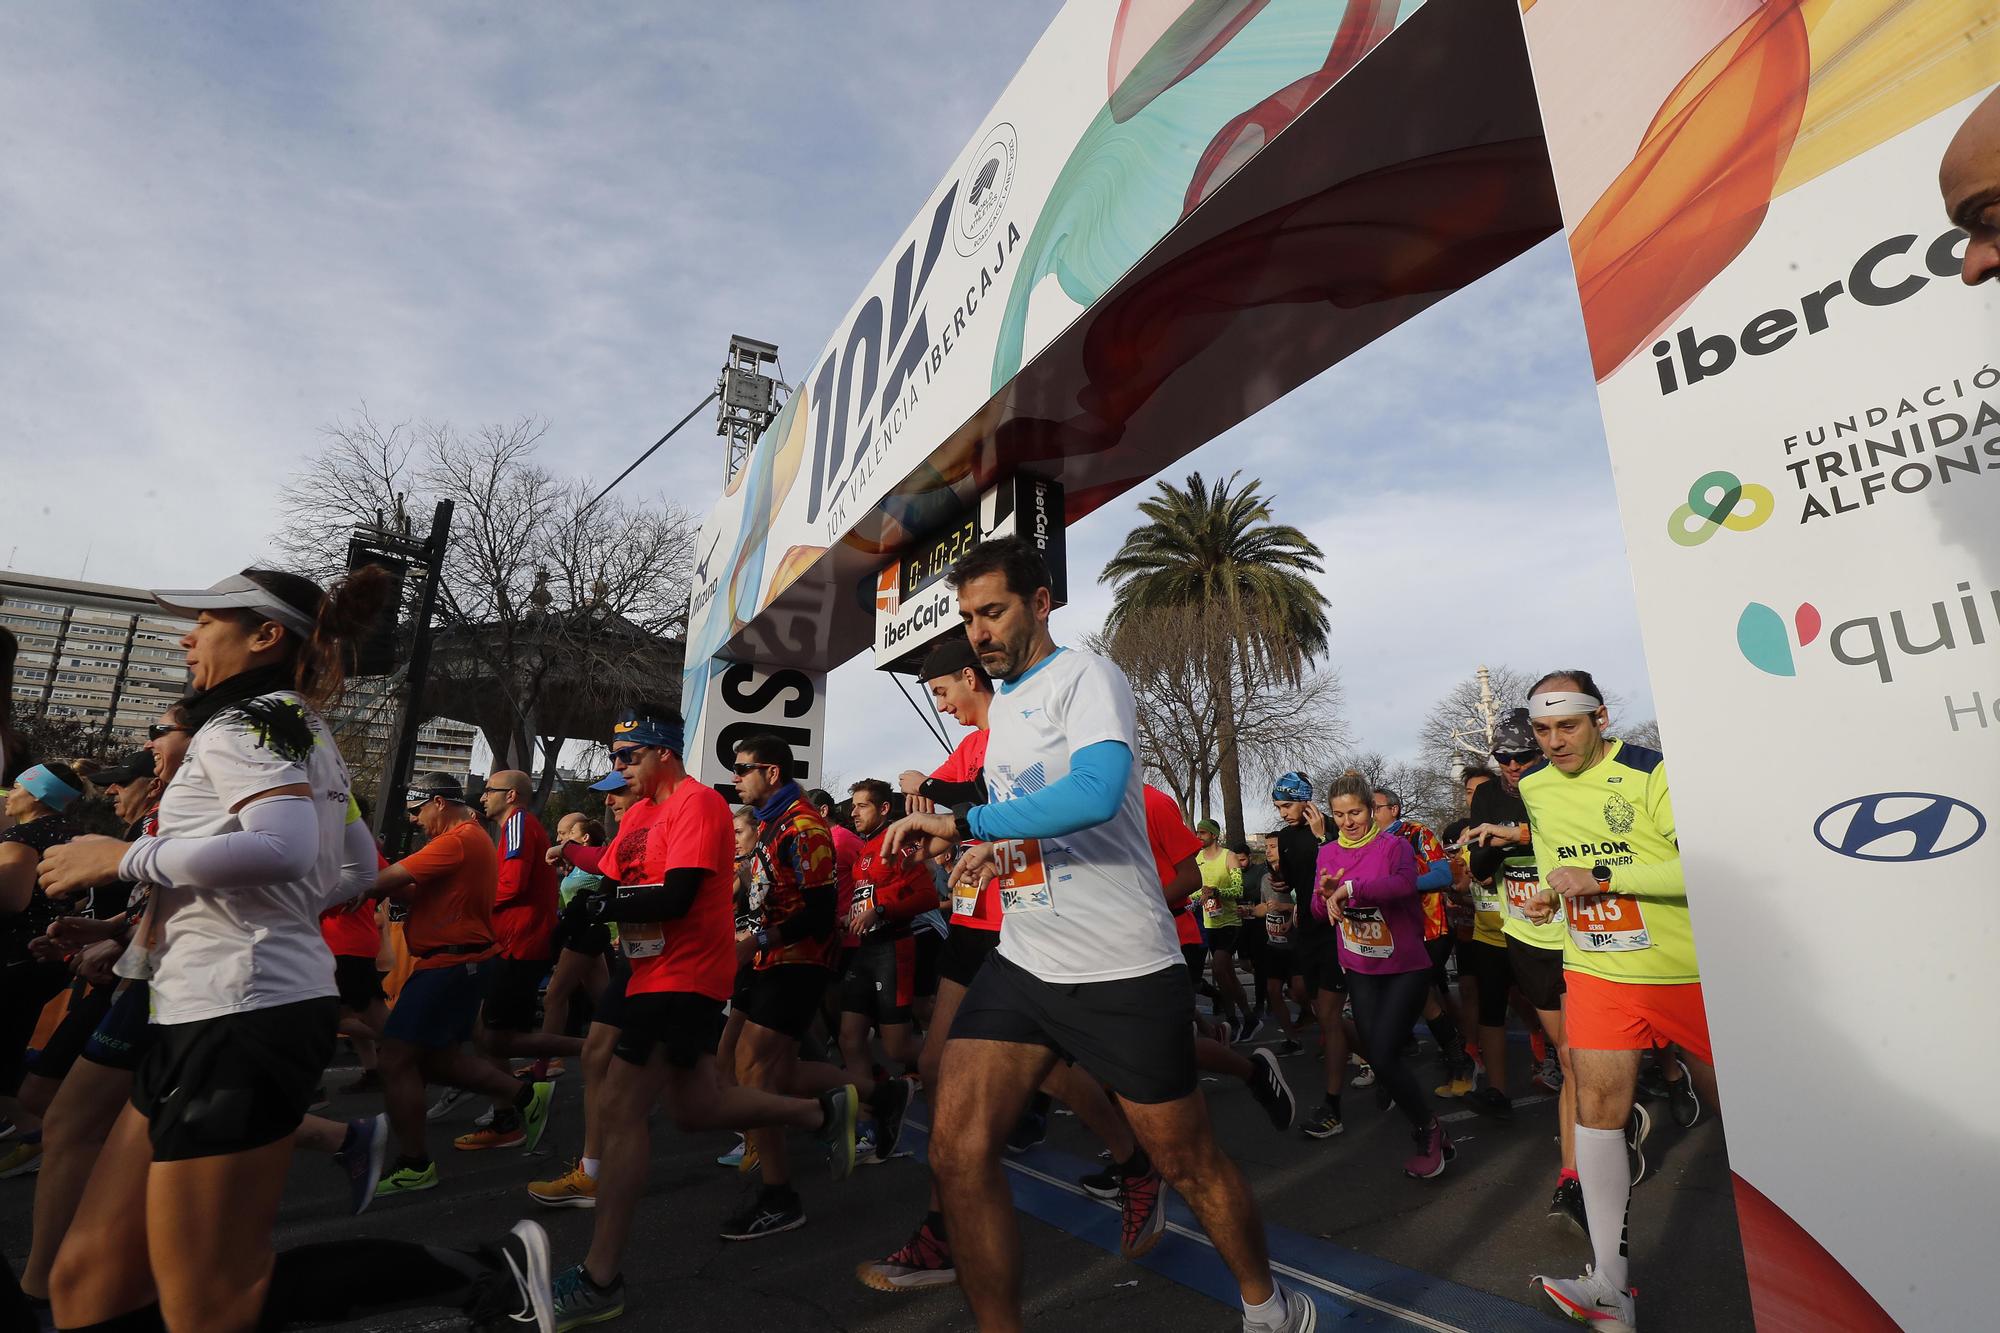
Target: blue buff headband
{"points": [[1292, 787], [663, 733], [49, 789]]}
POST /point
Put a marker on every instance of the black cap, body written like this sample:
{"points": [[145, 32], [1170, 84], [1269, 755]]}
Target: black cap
{"points": [[952, 655], [425, 786], [129, 769]]}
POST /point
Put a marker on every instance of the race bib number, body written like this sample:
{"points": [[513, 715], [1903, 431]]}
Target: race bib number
{"points": [[1607, 923], [1524, 885], [1486, 898], [642, 939], [965, 900], [1366, 933], [1022, 881]]}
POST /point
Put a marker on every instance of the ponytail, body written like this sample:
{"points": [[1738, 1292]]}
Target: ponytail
{"points": [[317, 665]]}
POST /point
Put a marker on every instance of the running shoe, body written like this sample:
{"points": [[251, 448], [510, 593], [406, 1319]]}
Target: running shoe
{"points": [[484, 1118], [445, 1104], [1653, 1085], [320, 1101], [1028, 1131], [369, 1080], [892, 1100], [574, 1188], [1361, 1075], [751, 1161], [734, 1157], [1290, 1047], [1592, 1300], [1683, 1102], [1273, 1093], [1100, 1184], [1458, 1079], [493, 1136], [515, 1288], [1322, 1124], [924, 1262], [1248, 1029], [840, 1106], [1636, 1130], [580, 1301], [772, 1211], [1433, 1151], [8, 1129], [408, 1180], [1549, 1075], [24, 1158], [1301, 1315], [864, 1145], [556, 1070], [535, 1115], [1144, 1213], [361, 1158], [1491, 1101], [1566, 1206]]}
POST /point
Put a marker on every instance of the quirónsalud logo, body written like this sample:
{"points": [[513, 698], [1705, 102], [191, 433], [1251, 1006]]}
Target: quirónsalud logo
{"points": [[1719, 500], [1899, 826], [1766, 640]]}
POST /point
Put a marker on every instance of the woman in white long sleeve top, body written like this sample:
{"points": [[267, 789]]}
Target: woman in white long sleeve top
{"points": [[253, 835]]}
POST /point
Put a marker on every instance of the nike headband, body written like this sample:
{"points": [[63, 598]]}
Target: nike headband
{"points": [[1563, 703]]}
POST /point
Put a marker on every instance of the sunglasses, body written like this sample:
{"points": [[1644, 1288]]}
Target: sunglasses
{"points": [[628, 756], [1515, 756], [161, 730], [741, 770]]}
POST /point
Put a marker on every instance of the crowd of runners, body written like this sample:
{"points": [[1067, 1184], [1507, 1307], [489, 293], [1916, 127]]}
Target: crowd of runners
{"points": [[808, 974]]}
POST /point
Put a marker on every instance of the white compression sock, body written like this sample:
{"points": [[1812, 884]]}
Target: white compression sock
{"points": [[590, 1167], [1270, 1314], [1607, 1191]]}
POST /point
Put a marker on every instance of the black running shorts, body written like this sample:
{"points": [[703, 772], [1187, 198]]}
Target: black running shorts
{"points": [[1135, 1035], [359, 981], [229, 1084], [682, 1025], [1226, 938], [1538, 972], [880, 981], [930, 952], [610, 1007], [1492, 973], [966, 950], [1316, 962], [783, 998], [515, 994], [87, 1007]]}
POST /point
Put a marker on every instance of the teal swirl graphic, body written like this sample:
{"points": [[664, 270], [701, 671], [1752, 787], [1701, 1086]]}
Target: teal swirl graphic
{"points": [[1123, 186]]}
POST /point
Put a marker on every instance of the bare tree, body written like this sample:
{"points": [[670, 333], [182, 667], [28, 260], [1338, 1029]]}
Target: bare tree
{"points": [[551, 609], [1169, 655]]}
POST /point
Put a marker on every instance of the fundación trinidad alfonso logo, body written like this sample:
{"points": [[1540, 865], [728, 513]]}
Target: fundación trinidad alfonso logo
{"points": [[1718, 500]]}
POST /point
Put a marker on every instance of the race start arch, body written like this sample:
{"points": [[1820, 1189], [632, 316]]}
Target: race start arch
{"points": [[1180, 210]]}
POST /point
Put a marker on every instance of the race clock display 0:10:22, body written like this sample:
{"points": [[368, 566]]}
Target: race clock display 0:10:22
{"points": [[930, 563]]}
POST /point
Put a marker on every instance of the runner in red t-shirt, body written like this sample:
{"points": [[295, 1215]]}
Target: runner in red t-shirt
{"points": [[676, 927], [879, 984], [353, 934]]}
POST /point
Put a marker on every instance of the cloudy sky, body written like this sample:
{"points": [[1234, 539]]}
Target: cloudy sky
{"points": [[227, 226]]}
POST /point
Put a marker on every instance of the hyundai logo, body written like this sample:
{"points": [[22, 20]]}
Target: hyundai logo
{"points": [[1899, 826]]}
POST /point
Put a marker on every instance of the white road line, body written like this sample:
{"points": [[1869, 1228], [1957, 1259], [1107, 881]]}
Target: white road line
{"points": [[1300, 1275]]}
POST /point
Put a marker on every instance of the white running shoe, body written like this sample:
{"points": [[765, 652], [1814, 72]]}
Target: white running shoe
{"points": [[1592, 1300], [1301, 1315], [444, 1105], [484, 1119]]}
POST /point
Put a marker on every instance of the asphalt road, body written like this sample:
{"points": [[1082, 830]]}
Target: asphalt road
{"points": [[1377, 1249]]}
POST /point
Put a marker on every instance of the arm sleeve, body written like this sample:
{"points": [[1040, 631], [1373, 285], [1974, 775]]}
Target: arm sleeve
{"points": [[667, 901], [584, 857], [279, 841], [1087, 796], [359, 861], [972, 792], [1436, 877]]}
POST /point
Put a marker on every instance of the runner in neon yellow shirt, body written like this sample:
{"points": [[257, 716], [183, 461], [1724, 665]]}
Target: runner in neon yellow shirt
{"points": [[1610, 869]]}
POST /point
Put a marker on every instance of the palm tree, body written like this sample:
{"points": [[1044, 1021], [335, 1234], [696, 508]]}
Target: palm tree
{"points": [[1215, 547]]}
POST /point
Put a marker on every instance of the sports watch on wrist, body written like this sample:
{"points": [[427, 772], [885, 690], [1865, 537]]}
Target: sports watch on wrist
{"points": [[1602, 874], [960, 824]]}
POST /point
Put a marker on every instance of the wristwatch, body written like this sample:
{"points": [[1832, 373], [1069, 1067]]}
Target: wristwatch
{"points": [[1602, 874], [959, 821]]}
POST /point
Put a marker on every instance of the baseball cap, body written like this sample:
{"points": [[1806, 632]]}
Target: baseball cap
{"points": [[612, 781], [256, 590], [952, 655], [1513, 735], [129, 769]]}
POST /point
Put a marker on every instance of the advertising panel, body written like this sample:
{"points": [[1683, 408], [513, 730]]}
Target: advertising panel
{"points": [[1802, 405]]}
